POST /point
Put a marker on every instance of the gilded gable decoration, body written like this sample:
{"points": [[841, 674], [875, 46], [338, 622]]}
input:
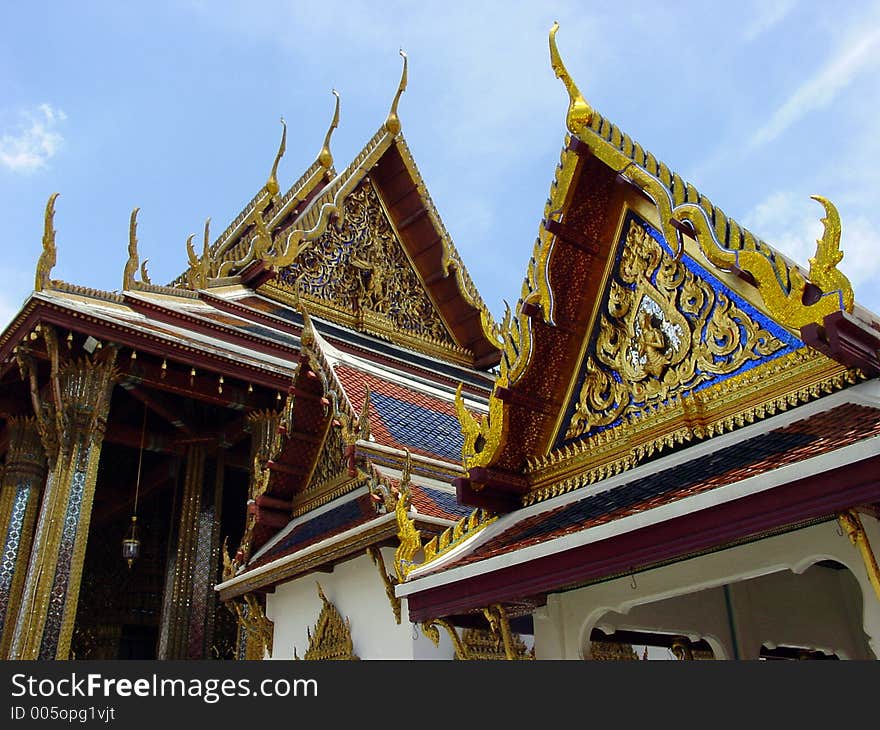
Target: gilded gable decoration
{"points": [[330, 639], [788, 298], [359, 269], [663, 332], [786, 294], [331, 469]]}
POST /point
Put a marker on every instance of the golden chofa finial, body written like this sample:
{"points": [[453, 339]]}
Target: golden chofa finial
{"points": [[47, 259], [131, 266], [392, 123], [197, 274], [823, 266], [579, 112], [325, 159], [272, 186]]}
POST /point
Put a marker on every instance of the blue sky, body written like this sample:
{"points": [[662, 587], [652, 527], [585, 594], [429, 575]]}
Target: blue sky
{"points": [[174, 106]]}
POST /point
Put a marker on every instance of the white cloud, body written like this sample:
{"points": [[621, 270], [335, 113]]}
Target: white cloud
{"points": [[767, 14], [792, 224], [33, 140], [821, 89]]}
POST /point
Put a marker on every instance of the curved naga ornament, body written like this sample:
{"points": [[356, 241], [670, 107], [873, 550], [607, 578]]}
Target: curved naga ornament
{"points": [[272, 186], [298, 239], [788, 307], [482, 437], [410, 538], [325, 157], [49, 256], [199, 266], [580, 113], [262, 246], [793, 306], [131, 265], [392, 123], [431, 629], [823, 266]]}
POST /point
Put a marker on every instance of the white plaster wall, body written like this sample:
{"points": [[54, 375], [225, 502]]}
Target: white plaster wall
{"points": [[357, 591], [563, 625]]}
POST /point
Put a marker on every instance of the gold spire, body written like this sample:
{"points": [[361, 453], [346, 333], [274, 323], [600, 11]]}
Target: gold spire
{"points": [[324, 157], [579, 112], [392, 123], [272, 183], [131, 266], [47, 259]]}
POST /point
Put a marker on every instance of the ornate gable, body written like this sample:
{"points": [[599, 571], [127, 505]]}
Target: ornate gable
{"points": [[666, 330], [331, 637], [331, 476], [682, 343], [359, 273]]}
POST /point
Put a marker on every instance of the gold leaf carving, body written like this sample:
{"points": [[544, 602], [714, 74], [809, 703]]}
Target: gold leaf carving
{"points": [[410, 538], [49, 256], [361, 268], [482, 644], [331, 636], [664, 331], [782, 288], [252, 621], [332, 464]]}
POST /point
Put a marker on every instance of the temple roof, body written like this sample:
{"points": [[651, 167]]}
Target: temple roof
{"points": [[364, 248], [183, 329], [791, 470]]}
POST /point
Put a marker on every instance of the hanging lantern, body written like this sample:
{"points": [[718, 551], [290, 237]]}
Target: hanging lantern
{"points": [[131, 545]]}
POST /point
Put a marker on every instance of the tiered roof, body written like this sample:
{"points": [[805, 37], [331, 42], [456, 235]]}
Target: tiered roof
{"points": [[345, 300]]}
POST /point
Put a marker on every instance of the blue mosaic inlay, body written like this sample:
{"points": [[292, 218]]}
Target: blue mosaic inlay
{"points": [[318, 527], [420, 428], [447, 502]]}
